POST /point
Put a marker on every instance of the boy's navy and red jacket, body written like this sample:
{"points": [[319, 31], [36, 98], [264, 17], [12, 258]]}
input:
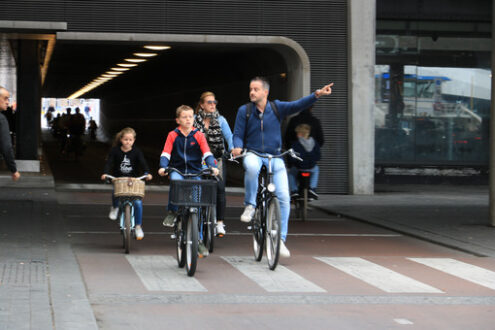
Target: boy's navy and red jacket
{"points": [[186, 153]]}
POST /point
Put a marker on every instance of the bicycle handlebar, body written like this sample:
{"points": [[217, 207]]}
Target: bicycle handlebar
{"points": [[204, 171], [289, 152], [111, 177]]}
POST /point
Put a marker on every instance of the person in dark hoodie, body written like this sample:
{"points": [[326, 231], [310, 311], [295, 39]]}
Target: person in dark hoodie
{"points": [[309, 151], [5, 142], [304, 117]]}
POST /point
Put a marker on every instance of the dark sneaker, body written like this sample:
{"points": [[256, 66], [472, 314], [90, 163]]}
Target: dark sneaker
{"points": [[312, 195], [169, 219], [202, 250], [294, 195]]}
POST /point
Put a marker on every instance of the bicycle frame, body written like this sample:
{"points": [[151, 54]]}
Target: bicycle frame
{"points": [[189, 225], [125, 201], [266, 223]]}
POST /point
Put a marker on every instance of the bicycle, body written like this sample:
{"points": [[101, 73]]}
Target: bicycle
{"points": [[127, 189], [195, 198], [301, 202], [266, 222]]}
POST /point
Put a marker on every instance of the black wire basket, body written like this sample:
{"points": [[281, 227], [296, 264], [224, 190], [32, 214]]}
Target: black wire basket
{"points": [[193, 192]]}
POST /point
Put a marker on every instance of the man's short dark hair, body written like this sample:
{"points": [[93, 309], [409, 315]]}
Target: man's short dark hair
{"points": [[263, 80]]}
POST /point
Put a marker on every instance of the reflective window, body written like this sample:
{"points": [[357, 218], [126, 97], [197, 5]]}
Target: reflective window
{"points": [[429, 114]]}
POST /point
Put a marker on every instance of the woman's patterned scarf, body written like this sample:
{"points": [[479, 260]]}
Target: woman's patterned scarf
{"points": [[213, 134]]}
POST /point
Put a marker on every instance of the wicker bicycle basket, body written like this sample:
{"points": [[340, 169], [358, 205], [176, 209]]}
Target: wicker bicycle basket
{"points": [[193, 192], [127, 186]]}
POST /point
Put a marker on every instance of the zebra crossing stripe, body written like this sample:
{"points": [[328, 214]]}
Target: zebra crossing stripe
{"points": [[280, 280], [378, 276], [160, 273], [460, 269]]}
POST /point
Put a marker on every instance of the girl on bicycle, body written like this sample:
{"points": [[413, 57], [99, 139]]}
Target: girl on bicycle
{"points": [[125, 160], [219, 137]]}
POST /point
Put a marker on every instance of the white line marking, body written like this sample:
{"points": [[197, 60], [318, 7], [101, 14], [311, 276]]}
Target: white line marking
{"points": [[280, 280], [403, 321], [161, 273], [233, 233], [378, 276], [460, 269]]}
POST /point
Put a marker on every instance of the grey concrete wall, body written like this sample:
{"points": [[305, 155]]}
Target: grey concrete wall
{"points": [[362, 18]]}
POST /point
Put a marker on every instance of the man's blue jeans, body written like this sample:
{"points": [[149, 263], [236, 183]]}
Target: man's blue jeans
{"points": [[252, 167], [313, 180]]}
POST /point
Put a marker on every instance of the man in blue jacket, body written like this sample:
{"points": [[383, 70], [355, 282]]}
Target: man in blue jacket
{"points": [[260, 131]]}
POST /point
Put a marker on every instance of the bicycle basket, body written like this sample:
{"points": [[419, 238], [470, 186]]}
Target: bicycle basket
{"points": [[193, 192], [127, 186]]}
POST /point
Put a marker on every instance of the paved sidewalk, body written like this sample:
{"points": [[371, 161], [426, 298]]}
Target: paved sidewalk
{"points": [[40, 282], [453, 216]]}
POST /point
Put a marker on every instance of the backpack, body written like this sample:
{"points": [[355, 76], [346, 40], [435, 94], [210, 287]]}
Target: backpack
{"points": [[249, 110]]}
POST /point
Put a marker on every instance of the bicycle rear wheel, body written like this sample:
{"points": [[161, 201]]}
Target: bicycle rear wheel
{"points": [[180, 243], [304, 205], [127, 228], [273, 226], [191, 243], [258, 234], [209, 227]]}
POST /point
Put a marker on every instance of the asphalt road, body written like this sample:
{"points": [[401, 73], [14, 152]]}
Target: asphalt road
{"points": [[342, 274]]}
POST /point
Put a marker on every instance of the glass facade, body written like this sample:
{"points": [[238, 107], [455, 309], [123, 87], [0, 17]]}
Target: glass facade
{"points": [[432, 101]]}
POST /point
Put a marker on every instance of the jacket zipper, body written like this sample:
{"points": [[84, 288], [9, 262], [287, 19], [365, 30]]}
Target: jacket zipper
{"points": [[262, 135], [185, 154]]}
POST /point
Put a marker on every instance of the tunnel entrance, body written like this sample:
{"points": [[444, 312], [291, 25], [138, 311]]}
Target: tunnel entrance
{"points": [[146, 96]]}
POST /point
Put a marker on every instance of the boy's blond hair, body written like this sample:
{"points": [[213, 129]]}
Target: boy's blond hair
{"points": [[304, 130], [181, 109]]}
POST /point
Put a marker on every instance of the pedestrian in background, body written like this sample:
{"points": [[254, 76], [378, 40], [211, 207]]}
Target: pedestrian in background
{"points": [[5, 142]]}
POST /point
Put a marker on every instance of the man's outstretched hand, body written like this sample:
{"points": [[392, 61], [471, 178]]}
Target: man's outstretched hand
{"points": [[325, 90]]}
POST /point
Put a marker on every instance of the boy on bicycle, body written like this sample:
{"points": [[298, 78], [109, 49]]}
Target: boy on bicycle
{"points": [[184, 150], [309, 150], [260, 131]]}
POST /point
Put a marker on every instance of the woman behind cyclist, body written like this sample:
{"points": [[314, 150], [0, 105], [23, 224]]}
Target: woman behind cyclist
{"points": [[125, 160], [217, 131]]}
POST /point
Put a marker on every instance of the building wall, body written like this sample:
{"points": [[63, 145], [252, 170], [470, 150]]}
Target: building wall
{"points": [[320, 27]]}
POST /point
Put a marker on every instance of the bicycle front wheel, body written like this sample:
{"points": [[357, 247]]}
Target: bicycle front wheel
{"points": [[180, 243], [191, 243], [127, 228], [273, 226], [258, 234]]}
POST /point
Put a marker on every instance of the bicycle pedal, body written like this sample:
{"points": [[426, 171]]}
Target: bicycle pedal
{"points": [[173, 236]]}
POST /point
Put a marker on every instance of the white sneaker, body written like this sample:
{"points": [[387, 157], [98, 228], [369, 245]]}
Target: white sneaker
{"points": [[248, 213], [284, 251], [114, 212], [220, 229], [139, 233]]}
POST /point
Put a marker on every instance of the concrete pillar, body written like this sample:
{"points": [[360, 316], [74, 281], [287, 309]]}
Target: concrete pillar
{"points": [[362, 34], [28, 100], [492, 126]]}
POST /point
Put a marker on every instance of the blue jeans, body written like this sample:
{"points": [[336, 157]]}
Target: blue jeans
{"points": [[138, 209], [313, 180], [252, 166], [177, 176]]}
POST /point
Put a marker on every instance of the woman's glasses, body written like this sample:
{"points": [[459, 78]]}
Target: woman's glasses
{"points": [[212, 102]]}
